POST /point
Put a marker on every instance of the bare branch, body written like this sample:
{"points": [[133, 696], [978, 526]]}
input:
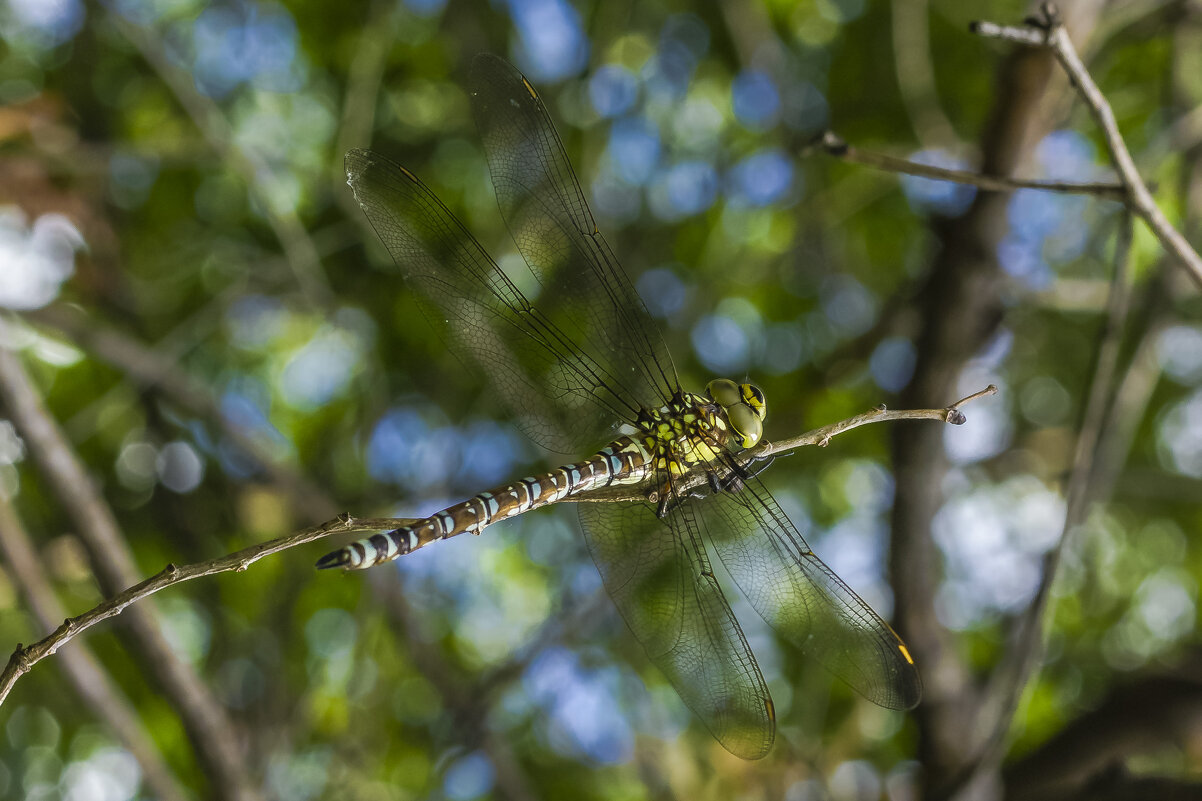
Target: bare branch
{"points": [[79, 664], [822, 436], [832, 144], [1032, 37], [1049, 33], [24, 658]]}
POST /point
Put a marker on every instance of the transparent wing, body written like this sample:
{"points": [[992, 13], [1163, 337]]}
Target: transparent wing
{"points": [[562, 398], [803, 599], [657, 573], [553, 228]]}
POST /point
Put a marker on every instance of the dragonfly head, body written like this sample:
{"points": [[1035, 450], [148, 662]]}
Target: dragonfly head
{"points": [[745, 408]]}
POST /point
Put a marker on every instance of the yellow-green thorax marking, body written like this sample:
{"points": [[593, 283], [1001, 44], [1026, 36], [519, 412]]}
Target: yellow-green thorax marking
{"points": [[686, 432]]}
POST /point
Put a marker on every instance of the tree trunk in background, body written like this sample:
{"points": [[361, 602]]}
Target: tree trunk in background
{"points": [[962, 309]]}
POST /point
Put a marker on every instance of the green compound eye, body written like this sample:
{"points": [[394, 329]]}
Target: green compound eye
{"points": [[745, 408], [725, 392], [746, 423]]}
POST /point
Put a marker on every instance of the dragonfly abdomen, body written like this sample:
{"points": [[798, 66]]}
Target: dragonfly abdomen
{"points": [[623, 461]]}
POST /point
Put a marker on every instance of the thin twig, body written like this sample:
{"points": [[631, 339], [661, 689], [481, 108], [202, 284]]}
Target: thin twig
{"points": [[24, 658], [822, 436], [79, 664], [1031, 37], [1050, 34], [832, 144]]}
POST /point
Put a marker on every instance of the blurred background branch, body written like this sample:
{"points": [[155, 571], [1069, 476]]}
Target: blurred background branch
{"points": [[963, 311], [150, 368], [832, 145], [24, 658], [253, 166], [915, 72], [1011, 676]]}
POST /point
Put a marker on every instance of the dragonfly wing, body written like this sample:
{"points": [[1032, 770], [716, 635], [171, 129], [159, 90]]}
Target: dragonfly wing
{"points": [[555, 392], [803, 599], [657, 573], [549, 219]]}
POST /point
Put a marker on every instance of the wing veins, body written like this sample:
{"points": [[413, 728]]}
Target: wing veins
{"points": [[607, 268], [479, 266]]}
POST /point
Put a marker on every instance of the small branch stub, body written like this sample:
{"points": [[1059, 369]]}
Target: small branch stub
{"points": [[955, 416]]}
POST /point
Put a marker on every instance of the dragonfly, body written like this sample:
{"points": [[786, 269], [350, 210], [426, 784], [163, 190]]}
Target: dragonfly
{"points": [[590, 366]]}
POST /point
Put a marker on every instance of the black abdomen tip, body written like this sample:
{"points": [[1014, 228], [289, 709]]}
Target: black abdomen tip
{"points": [[338, 558]]}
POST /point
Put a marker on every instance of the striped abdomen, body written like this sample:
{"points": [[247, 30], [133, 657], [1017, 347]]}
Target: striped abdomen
{"points": [[623, 461]]}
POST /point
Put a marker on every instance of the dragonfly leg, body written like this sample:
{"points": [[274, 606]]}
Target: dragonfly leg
{"points": [[665, 502], [738, 476], [734, 481], [762, 465]]}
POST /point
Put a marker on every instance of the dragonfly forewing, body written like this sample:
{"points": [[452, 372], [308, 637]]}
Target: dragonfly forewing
{"points": [[547, 382], [549, 219]]}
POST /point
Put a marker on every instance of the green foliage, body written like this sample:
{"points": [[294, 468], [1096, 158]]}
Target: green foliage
{"points": [[222, 238]]}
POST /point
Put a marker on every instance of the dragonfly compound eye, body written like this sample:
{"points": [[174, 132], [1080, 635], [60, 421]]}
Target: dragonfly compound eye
{"points": [[746, 423], [724, 391]]}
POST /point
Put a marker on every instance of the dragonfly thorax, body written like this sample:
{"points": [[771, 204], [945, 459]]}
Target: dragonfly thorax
{"points": [[684, 432]]}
